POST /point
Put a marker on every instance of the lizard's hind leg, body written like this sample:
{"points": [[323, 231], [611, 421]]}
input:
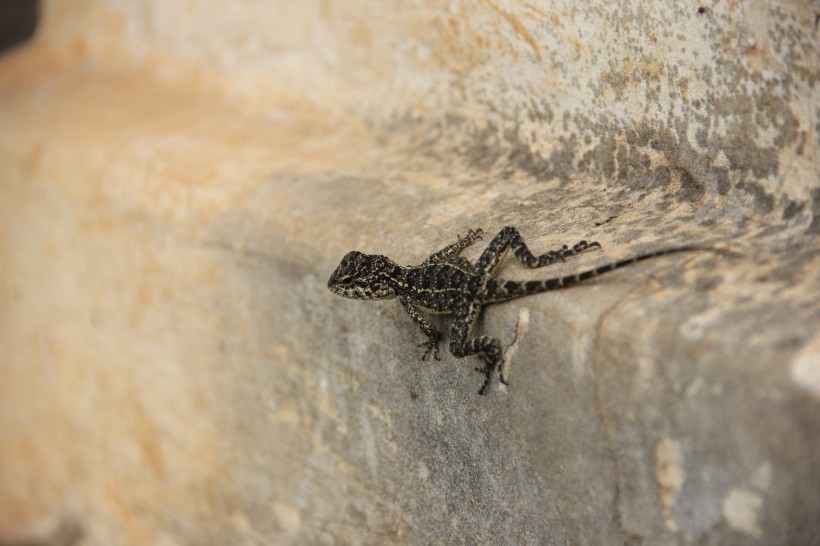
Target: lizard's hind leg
{"points": [[460, 346], [510, 238]]}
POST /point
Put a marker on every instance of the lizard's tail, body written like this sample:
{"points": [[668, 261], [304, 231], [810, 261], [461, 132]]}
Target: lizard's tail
{"points": [[507, 290]]}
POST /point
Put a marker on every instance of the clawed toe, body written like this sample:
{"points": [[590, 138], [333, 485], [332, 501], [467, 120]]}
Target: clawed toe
{"points": [[584, 245], [472, 235], [487, 370], [430, 347]]}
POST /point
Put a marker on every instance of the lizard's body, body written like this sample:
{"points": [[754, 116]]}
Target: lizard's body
{"points": [[447, 284]]}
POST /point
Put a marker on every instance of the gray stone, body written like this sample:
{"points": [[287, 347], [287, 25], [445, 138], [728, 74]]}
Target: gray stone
{"points": [[180, 180]]}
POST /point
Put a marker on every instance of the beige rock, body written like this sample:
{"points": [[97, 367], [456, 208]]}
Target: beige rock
{"points": [[180, 178]]}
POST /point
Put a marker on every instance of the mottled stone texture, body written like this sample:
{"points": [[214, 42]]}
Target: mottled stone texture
{"points": [[179, 179]]}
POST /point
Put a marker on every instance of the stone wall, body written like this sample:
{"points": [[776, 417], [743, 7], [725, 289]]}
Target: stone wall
{"points": [[181, 178]]}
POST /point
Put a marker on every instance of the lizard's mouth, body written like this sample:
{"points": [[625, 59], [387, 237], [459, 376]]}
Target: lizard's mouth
{"points": [[349, 288], [339, 290]]}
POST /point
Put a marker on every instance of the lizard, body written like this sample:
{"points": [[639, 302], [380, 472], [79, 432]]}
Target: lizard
{"points": [[446, 283]]}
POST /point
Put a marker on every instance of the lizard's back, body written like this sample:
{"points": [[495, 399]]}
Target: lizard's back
{"points": [[437, 288]]}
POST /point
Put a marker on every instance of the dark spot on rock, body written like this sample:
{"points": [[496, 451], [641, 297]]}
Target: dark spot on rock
{"points": [[541, 113], [763, 201], [744, 154], [791, 343], [701, 10], [802, 145], [814, 227], [661, 177], [792, 208], [531, 163], [705, 284], [623, 162], [640, 182], [664, 141], [562, 158], [702, 137], [640, 135], [603, 157], [483, 151], [638, 160], [722, 179], [691, 189]]}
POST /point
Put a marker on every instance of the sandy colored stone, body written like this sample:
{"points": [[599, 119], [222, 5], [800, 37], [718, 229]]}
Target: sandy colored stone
{"points": [[180, 178]]}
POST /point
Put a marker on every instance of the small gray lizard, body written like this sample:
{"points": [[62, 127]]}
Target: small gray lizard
{"points": [[445, 283]]}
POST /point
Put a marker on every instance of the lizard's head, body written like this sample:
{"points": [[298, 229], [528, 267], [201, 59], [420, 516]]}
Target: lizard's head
{"points": [[362, 277]]}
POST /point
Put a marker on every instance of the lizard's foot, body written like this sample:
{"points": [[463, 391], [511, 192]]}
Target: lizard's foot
{"points": [[565, 251], [487, 370], [487, 375], [472, 236], [430, 346], [582, 246]]}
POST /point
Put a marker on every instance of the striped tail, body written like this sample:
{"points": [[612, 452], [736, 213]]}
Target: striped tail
{"points": [[507, 290]]}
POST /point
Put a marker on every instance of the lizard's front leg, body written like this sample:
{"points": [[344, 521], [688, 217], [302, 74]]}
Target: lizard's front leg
{"points": [[460, 346], [510, 238], [433, 336], [452, 250]]}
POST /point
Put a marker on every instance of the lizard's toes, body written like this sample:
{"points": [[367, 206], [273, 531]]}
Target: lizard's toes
{"points": [[429, 347]]}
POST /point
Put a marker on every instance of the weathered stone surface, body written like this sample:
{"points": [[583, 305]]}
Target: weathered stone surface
{"points": [[179, 180]]}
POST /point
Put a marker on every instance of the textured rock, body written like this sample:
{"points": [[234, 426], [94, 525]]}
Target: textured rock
{"points": [[181, 178]]}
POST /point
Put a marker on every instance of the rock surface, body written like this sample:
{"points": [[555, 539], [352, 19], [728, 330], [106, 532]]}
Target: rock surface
{"points": [[180, 179]]}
